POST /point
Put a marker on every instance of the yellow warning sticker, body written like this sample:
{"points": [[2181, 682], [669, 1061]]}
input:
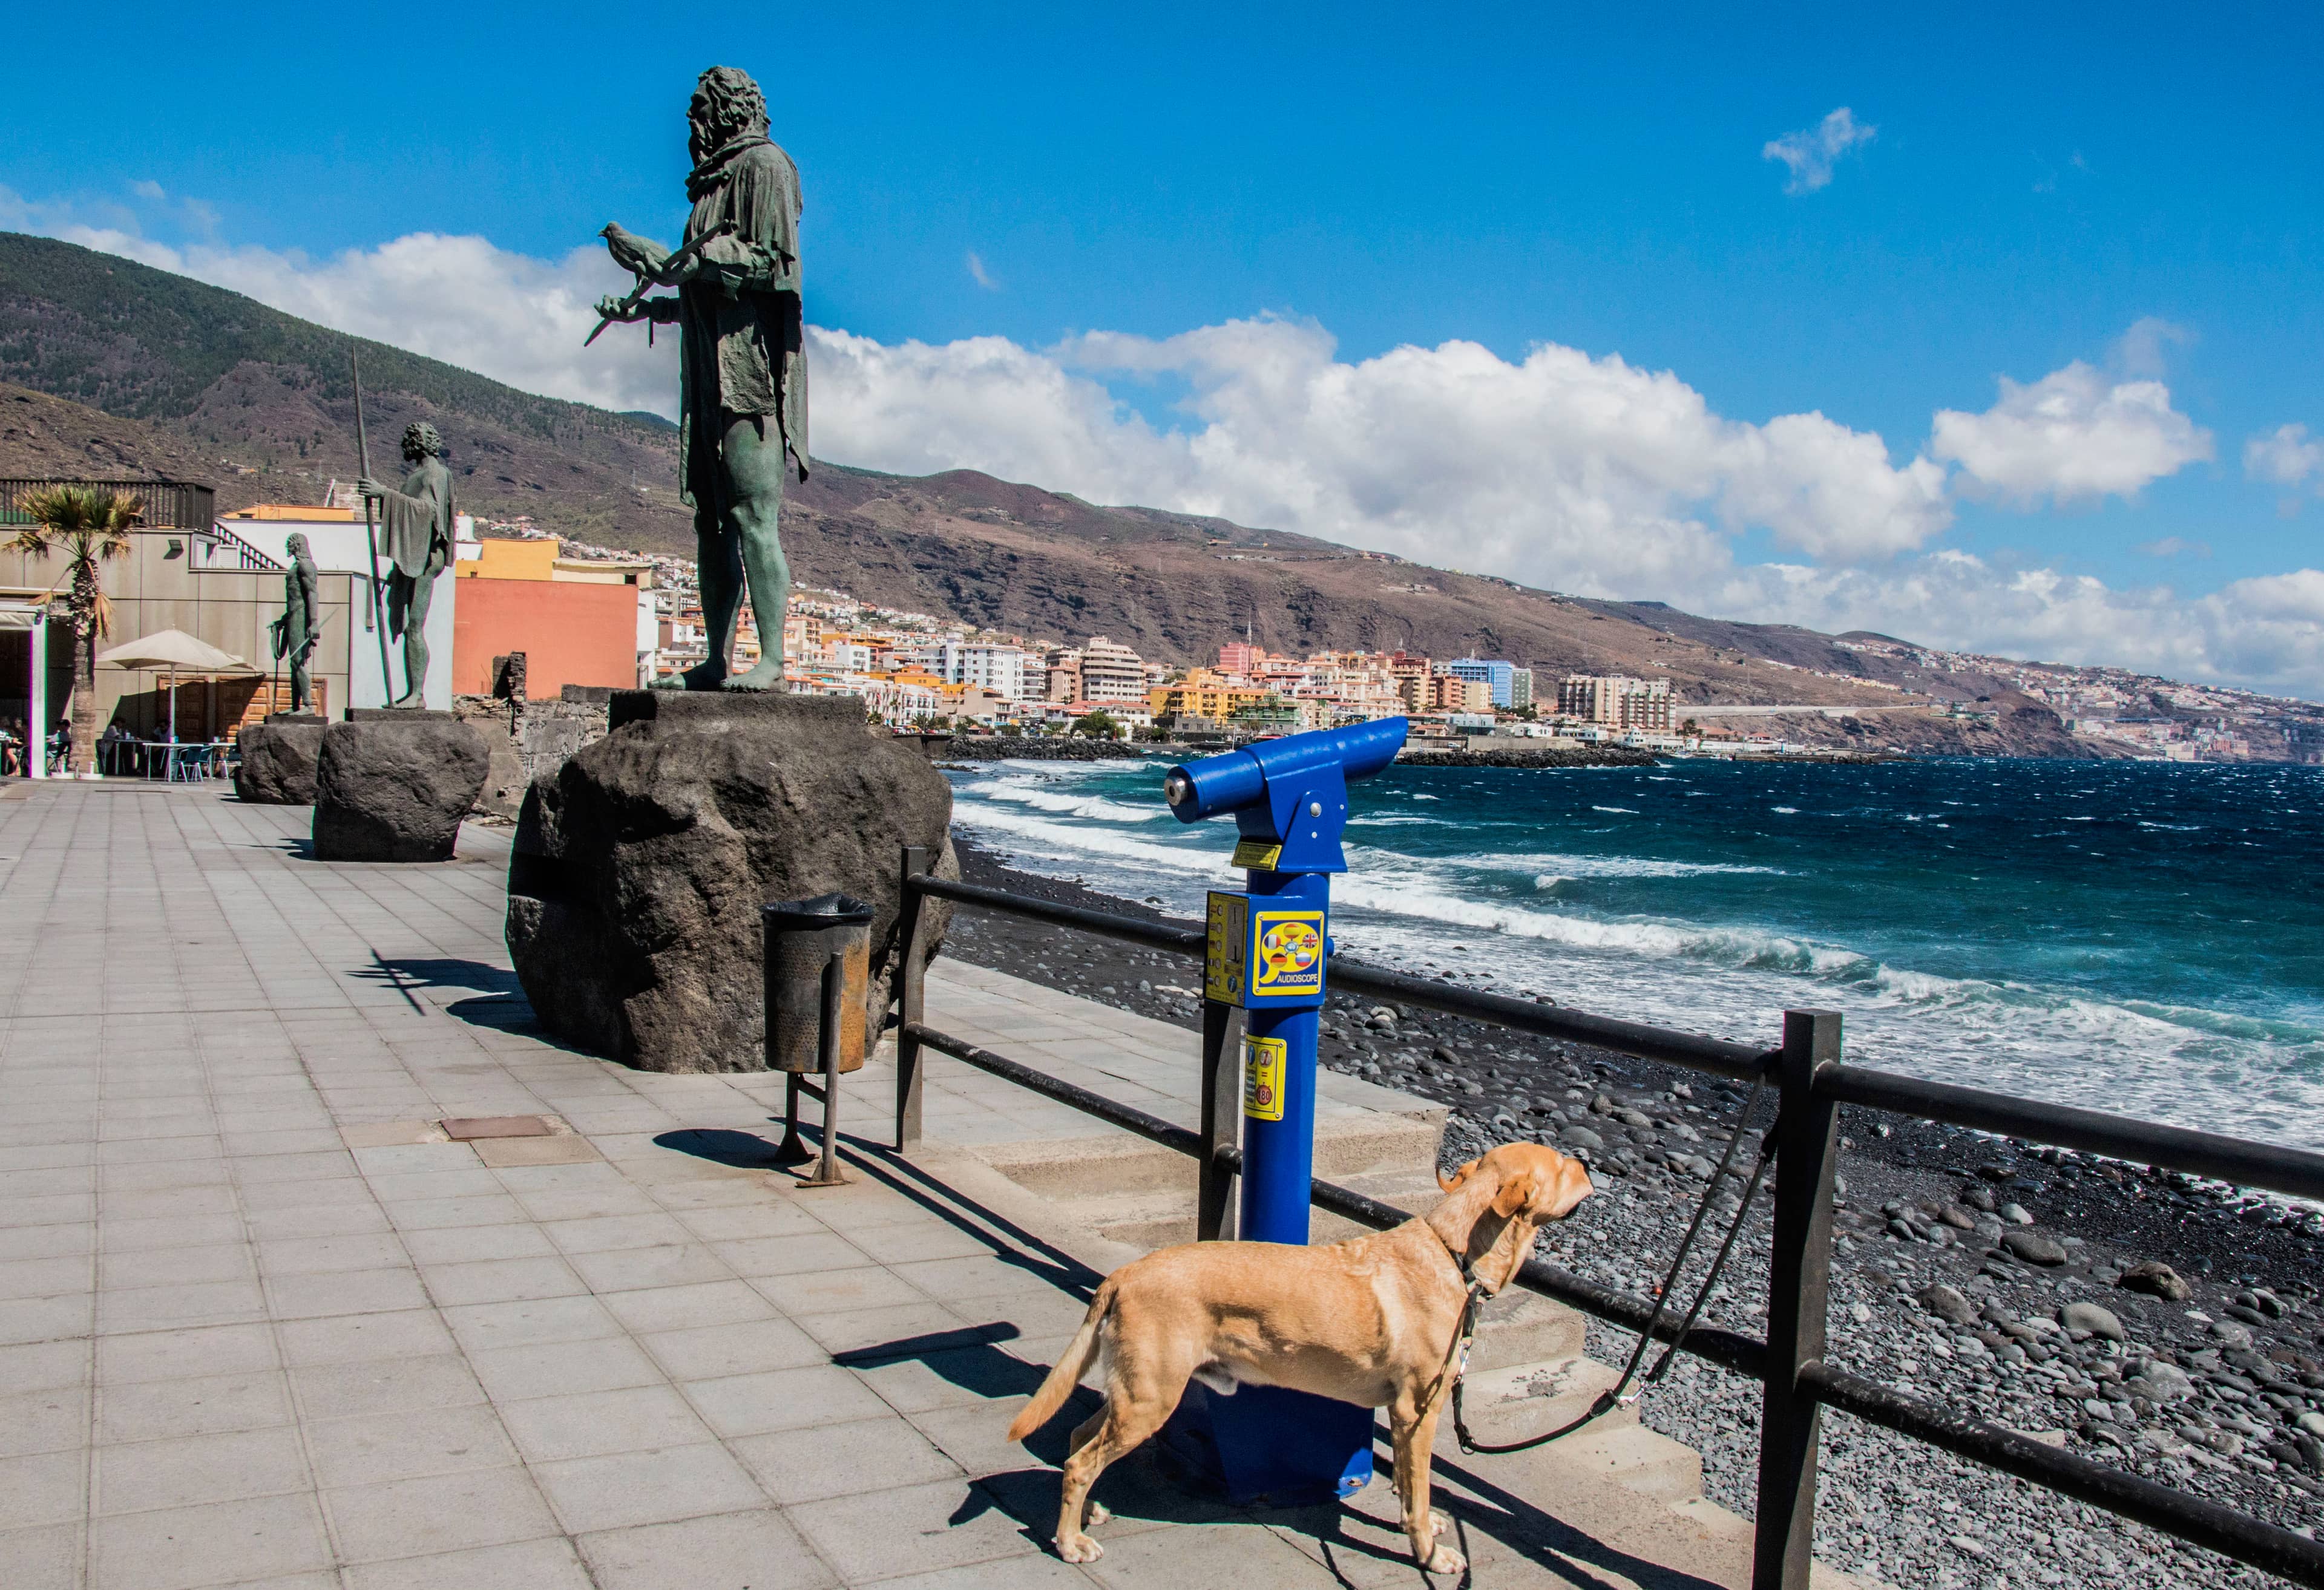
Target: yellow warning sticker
{"points": [[1225, 945], [1287, 953], [1256, 854], [1263, 1065]]}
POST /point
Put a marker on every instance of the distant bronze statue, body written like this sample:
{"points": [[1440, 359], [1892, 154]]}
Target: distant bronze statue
{"points": [[300, 625], [742, 363], [417, 523]]}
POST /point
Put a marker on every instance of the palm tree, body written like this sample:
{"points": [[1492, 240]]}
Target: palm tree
{"points": [[89, 526]]}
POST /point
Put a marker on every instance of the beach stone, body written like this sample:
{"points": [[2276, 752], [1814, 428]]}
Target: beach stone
{"points": [[276, 766], [2231, 1333], [2159, 1383], [2155, 1279], [2312, 1422], [2033, 1248], [639, 866], [2016, 1214], [1581, 1137], [2090, 1319], [1946, 1304], [392, 783]]}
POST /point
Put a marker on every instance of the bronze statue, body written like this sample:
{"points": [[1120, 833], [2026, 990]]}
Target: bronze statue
{"points": [[300, 625], [417, 523], [742, 363]]}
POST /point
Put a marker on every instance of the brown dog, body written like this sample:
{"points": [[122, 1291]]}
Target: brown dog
{"points": [[1369, 1321]]}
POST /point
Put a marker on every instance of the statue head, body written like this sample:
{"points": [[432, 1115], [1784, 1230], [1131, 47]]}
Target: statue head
{"points": [[726, 105], [420, 441], [295, 545]]}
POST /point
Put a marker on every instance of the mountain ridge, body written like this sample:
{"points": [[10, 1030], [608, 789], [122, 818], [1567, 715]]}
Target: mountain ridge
{"points": [[109, 364]]}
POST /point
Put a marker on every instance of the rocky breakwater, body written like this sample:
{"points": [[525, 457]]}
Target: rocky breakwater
{"points": [[639, 864], [392, 783], [275, 761]]}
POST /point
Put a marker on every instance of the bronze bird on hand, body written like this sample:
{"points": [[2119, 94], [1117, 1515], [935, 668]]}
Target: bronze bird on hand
{"points": [[641, 257]]}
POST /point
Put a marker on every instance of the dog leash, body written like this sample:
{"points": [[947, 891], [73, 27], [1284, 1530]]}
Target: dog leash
{"points": [[1456, 1361]]}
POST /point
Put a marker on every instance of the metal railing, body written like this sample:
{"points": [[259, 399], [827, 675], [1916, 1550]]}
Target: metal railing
{"points": [[1806, 1071], [169, 505]]}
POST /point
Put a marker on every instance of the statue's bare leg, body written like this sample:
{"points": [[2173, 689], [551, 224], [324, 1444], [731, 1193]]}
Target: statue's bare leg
{"points": [[417, 597], [718, 567], [752, 454]]}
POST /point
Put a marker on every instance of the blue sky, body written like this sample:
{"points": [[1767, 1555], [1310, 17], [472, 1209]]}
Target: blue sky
{"points": [[2021, 189]]}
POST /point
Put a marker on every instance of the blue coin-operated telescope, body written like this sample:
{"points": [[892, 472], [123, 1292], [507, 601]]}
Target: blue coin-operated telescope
{"points": [[1266, 953]]}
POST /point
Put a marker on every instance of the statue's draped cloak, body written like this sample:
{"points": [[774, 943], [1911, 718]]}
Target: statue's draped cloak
{"points": [[418, 519], [745, 352]]}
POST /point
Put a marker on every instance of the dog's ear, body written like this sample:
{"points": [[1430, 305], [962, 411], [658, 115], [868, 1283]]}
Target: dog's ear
{"points": [[1460, 1173], [1516, 1193]]}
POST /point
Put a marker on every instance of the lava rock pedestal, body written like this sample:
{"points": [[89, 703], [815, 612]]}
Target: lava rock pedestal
{"points": [[392, 783], [639, 866], [275, 765]]}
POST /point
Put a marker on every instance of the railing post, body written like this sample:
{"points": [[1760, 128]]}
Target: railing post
{"points": [[911, 996], [1221, 1123], [1799, 1278]]}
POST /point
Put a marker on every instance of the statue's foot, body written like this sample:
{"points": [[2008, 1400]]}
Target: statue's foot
{"points": [[765, 676], [408, 699], [701, 676]]}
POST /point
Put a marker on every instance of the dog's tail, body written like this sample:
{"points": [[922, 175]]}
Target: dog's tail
{"points": [[1072, 1364]]}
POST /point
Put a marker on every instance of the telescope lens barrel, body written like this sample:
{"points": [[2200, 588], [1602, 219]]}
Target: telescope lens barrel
{"points": [[1176, 787], [1217, 786]]}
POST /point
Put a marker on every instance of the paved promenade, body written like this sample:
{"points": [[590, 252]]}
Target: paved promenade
{"points": [[262, 1322]]}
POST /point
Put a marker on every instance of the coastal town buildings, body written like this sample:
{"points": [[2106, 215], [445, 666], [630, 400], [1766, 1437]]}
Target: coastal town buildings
{"points": [[1616, 701]]}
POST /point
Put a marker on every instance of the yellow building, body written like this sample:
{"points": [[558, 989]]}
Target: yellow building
{"points": [[1202, 694]]}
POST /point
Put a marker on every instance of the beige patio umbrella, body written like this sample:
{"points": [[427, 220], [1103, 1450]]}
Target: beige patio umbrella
{"points": [[175, 652]]}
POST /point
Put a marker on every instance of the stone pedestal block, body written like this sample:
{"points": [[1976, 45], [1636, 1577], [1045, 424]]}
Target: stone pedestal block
{"points": [[392, 783], [276, 764], [639, 866]]}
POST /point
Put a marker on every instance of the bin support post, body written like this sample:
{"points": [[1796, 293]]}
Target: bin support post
{"points": [[911, 998], [827, 1173], [1799, 1277], [1222, 1119]]}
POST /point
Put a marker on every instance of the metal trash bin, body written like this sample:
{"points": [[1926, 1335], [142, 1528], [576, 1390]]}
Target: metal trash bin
{"points": [[818, 960]]}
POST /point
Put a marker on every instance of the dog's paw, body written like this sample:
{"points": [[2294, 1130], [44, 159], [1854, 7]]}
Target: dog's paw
{"points": [[1080, 1548], [1098, 1513], [1437, 1523], [1444, 1559]]}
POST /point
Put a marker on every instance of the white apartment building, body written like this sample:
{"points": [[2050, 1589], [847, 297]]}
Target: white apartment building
{"points": [[1110, 672], [1616, 701], [998, 668]]}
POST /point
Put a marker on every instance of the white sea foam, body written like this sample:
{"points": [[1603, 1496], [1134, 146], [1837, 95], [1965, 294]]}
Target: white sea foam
{"points": [[1097, 808], [1618, 811]]}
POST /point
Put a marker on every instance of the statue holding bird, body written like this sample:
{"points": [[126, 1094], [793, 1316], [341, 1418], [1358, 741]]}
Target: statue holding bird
{"points": [[742, 363]]}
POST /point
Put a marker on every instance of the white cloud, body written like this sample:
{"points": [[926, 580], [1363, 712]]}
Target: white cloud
{"points": [[1809, 152], [2075, 434], [1581, 474], [979, 274], [2285, 457]]}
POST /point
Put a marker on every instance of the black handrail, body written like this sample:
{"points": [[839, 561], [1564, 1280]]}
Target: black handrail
{"points": [[1812, 1083]]}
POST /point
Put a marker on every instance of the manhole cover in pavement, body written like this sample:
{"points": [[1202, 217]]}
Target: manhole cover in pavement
{"points": [[462, 1129]]}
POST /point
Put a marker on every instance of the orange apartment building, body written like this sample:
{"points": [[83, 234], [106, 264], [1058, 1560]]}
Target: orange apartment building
{"points": [[577, 620]]}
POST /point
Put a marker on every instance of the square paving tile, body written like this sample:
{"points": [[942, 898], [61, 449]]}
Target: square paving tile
{"points": [[593, 1424], [344, 1291], [151, 1411], [670, 1308], [756, 1549], [392, 1386], [629, 1488], [783, 1398], [710, 1351], [878, 1534], [836, 1459], [216, 1543], [190, 1470], [355, 1338], [603, 1364], [413, 1444], [442, 1513], [527, 1565], [501, 1152], [169, 1355], [463, 1129], [501, 1281], [44, 1488]]}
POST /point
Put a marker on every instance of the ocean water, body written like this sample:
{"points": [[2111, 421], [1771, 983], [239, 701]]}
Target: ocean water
{"points": [[2141, 937]]}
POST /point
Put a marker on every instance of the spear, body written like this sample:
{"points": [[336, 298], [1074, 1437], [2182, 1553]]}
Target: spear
{"points": [[371, 533]]}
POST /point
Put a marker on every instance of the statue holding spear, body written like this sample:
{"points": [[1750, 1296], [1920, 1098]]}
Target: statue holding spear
{"points": [[416, 522]]}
